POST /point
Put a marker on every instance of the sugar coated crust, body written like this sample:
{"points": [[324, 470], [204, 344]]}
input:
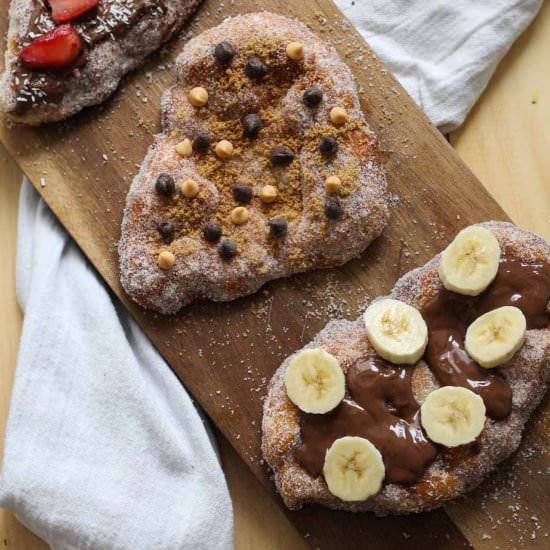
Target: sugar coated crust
{"points": [[107, 62], [454, 471], [312, 240]]}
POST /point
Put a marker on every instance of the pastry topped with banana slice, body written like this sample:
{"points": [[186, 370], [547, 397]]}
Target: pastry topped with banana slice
{"points": [[417, 401]]}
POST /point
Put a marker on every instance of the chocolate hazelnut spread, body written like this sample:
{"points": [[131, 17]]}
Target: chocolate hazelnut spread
{"points": [[110, 19], [380, 405], [382, 409], [526, 286]]}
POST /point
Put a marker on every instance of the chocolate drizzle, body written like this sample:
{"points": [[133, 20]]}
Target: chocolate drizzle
{"points": [[380, 404], [382, 409], [111, 18], [448, 316], [526, 286]]}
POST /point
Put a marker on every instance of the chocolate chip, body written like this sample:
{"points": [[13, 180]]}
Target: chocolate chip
{"points": [[224, 53], [212, 231], [252, 124], [278, 227], [227, 249], [167, 230], [281, 156], [333, 208], [256, 68], [328, 146], [312, 97], [242, 193], [201, 141], [165, 185]]}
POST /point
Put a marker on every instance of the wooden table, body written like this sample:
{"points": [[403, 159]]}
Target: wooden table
{"points": [[506, 143]]}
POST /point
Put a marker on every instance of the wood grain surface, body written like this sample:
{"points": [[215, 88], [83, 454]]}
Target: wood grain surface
{"points": [[226, 369]]}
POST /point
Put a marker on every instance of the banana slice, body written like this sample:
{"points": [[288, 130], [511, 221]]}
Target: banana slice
{"points": [[453, 416], [470, 263], [493, 338], [353, 468], [314, 381], [396, 330]]}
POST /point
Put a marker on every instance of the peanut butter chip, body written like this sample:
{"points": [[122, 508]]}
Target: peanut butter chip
{"points": [[189, 188], [166, 260], [333, 184], [224, 149], [184, 148], [338, 116], [295, 50], [268, 193], [239, 215], [198, 97]]}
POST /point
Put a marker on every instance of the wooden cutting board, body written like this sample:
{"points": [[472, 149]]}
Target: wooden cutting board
{"points": [[225, 354]]}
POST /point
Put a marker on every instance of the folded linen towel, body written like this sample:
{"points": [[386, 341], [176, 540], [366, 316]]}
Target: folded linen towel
{"points": [[104, 448], [443, 52]]}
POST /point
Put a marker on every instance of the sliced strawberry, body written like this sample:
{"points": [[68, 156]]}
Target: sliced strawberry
{"points": [[64, 11], [56, 49]]}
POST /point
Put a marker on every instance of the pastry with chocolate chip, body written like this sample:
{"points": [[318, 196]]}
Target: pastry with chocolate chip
{"points": [[265, 167]]}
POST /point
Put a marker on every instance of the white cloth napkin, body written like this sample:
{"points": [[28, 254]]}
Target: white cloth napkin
{"points": [[104, 449], [443, 52]]}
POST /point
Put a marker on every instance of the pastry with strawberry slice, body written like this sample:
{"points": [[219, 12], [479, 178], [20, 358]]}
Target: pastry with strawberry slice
{"points": [[64, 55]]}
